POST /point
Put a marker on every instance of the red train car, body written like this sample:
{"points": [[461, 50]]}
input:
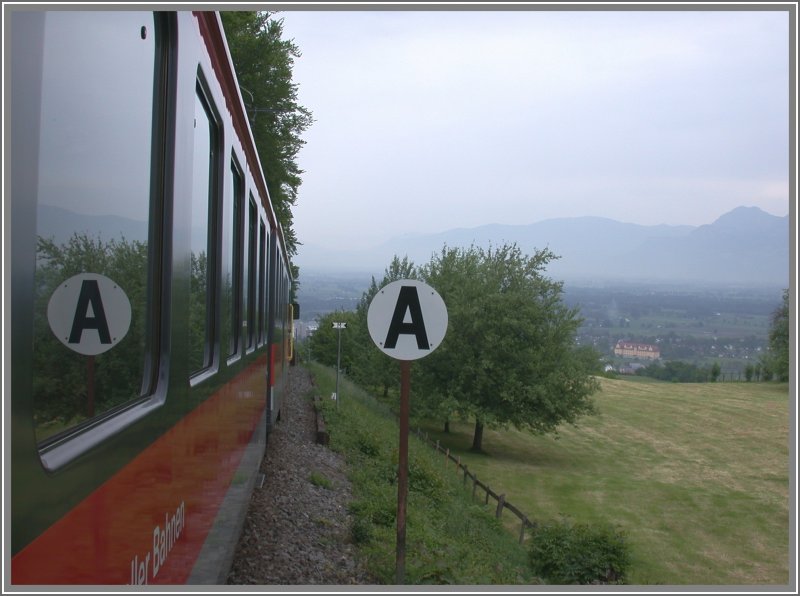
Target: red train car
{"points": [[150, 321]]}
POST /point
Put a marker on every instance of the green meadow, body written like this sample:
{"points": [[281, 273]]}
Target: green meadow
{"points": [[697, 475]]}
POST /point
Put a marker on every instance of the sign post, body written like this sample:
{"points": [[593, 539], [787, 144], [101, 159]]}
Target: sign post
{"points": [[407, 320], [402, 473], [338, 326]]}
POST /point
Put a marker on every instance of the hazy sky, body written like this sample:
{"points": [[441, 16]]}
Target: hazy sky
{"points": [[431, 120]]}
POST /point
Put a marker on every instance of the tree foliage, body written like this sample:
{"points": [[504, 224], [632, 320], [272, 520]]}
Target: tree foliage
{"points": [[376, 369], [509, 356], [325, 341], [263, 61], [677, 371], [777, 360], [359, 357], [60, 383]]}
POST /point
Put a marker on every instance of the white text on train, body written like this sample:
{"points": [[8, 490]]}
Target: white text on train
{"points": [[164, 538]]}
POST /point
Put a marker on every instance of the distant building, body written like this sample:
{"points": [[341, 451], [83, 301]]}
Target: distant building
{"points": [[628, 349]]}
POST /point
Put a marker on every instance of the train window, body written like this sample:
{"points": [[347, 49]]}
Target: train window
{"points": [[232, 259], [201, 296], [93, 347], [262, 266], [252, 278], [246, 272]]}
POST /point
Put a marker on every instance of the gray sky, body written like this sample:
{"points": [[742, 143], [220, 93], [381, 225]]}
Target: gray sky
{"points": [[432, 120]]}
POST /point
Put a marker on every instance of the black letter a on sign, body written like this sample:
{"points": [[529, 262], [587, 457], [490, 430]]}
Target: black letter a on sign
{"points": [[407, 300], [90, 294]]}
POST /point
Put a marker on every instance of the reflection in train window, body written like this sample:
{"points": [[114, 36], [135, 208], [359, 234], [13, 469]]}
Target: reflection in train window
{"points": [[232, 259], [202, 254], [93, 210], [252, 275], [262, 279]]}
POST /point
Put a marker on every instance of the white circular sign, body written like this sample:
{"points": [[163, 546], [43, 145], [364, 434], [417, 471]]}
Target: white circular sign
{"points": [[407, 319], [89, 313]]}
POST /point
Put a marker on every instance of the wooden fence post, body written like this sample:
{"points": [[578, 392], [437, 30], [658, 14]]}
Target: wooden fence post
{"points": [[501, 501]]}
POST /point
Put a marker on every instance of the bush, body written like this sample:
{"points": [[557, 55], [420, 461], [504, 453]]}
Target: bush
{"points": [[380, 509], [361, 531], [563, 553], [369, 443], [425, 478]]}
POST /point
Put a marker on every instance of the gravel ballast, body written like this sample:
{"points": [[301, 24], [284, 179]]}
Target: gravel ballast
{"points": [[297, 528]]}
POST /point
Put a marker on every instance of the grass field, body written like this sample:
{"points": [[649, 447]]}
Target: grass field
{"points": [[697, 475]]}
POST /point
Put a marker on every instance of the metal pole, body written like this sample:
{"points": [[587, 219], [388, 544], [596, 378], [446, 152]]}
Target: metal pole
{"points": [[338, 364], [402, 472]]}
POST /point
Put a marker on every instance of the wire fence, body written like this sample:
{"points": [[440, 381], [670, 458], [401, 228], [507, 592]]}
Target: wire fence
{"points": [[471, 478]]}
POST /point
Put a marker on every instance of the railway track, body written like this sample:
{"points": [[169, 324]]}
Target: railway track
{"points": [[297, 528]]}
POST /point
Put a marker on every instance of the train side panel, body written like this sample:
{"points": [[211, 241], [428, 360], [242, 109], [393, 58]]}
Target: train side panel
{"points": [[148, 522], [120, 461]]}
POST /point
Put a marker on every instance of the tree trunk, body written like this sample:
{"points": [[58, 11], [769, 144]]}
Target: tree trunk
{"points": [[447, 426], [477, 438]]}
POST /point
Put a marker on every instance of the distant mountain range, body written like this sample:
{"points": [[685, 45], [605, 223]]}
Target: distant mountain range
{"points": [[59, 224], [745, 246]]}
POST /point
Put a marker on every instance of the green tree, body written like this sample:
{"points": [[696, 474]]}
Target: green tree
{"points": [[509, 356], [264, 62], [676, 371], [715, 372], [325, 341], [766, 368], [376, 369], [776, 361]]}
